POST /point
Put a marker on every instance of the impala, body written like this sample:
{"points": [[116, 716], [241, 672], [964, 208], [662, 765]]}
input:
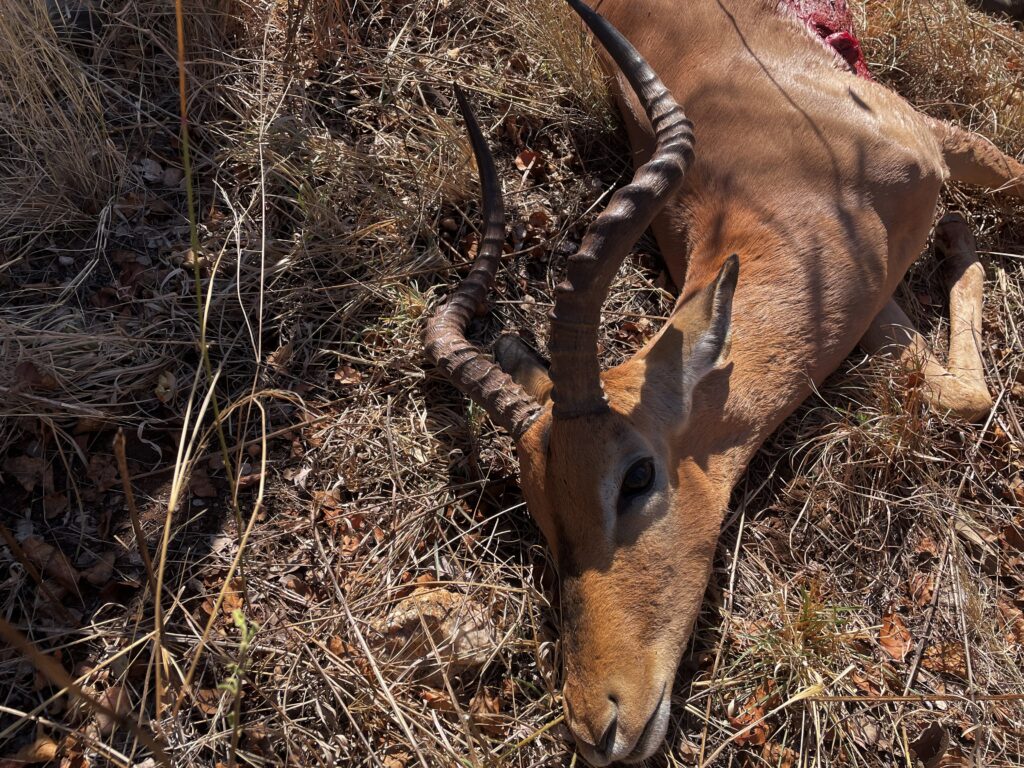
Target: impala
{"points": [[787, 211]]}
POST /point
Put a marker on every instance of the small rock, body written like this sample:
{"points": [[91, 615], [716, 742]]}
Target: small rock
{"points": [[172, 177], [151, 170]]}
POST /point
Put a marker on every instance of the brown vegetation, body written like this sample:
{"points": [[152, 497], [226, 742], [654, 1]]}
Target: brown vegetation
{"points": [[865, 607]]}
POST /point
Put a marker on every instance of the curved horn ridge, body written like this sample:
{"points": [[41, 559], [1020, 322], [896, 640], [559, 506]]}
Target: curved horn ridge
{"points": [[575, 371], [444, 337]]}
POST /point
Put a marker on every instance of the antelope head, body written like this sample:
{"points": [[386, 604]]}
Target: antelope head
{"points": [[613, 465]]}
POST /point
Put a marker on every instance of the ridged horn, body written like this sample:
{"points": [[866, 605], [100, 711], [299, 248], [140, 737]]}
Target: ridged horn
{"points": [[575, 371], [444, 338]]}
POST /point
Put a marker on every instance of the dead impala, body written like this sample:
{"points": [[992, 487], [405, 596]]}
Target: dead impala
{"points": [[810, 193]]}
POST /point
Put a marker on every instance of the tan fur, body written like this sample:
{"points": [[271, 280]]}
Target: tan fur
{"points": [[825, 185]]}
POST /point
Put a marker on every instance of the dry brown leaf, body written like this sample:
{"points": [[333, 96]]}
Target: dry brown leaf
{"points": [[894, 637], [946, 656], [100, 573], [439, 700], [166, 388], [28, 376], [922, 588], [336, 645], [207, 700], [485, 709], [1012, 538], [51, 561], [103, 471], [779, 756], [529, 162], [459, 628], [864, 683], [234, 596], [54, 504], [751, 711], [931, 746], [1014, 618], [201, 485], [42, 750], [29, 472], [116, 699], [346, 374], [278, 359]]}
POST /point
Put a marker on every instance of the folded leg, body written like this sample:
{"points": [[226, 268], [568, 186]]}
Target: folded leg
{"points": [[958, 387]]}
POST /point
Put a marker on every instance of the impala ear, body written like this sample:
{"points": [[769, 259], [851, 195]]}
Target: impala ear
{"points": [[695, 341], [525, 365]]}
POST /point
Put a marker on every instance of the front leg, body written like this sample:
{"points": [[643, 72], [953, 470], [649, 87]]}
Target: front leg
{"points": [[959, 388]]}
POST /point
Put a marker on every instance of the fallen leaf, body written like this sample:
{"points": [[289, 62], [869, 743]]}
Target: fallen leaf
{"points": [[99, 574], [922, 588], [278, 359], [894, 637], [529, 162], [864, 683], [54, 504], [234, 596], [29, 472], [1012, 538], [439, 700], [166, 387], [28, 376], [539, 219], [946, 656], [1014, 619], [346, 374], [42, 750], [201, 485], [442, 632], [485, 709], [207, 700], [103, 471], [779, 756], [753, 711], [114, 698], [931, 745], [151, 170], [51, 561]]}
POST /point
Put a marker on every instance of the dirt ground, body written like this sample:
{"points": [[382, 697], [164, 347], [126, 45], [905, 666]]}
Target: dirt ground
{"points": [[318, 510]]}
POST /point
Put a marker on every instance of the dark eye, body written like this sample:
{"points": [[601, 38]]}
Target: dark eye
{"points": [[639, 478]]}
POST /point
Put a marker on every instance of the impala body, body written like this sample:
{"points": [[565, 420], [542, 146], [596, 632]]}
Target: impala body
{"points": [[788, 203]]}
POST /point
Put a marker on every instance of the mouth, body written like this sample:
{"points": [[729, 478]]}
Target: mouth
{"points": [[653, 732]]}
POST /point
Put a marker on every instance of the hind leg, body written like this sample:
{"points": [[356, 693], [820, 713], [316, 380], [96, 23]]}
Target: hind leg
{"points": [[973, 159], [959, 387]]}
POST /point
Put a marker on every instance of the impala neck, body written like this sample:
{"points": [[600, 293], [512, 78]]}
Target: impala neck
{"points": [[782, 344]]}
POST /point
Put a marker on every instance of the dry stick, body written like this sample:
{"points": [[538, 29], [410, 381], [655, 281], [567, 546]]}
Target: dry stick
{"points": [[21, 557], [58, 676], [928, 624], [920, 698], [133, 512]]}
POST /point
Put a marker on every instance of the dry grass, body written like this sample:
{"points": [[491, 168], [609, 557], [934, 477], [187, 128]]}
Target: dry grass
{"points": [[336, 201]]}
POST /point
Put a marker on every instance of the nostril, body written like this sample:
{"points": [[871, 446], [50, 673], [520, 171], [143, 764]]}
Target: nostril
{"points": [[608, 738]]}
